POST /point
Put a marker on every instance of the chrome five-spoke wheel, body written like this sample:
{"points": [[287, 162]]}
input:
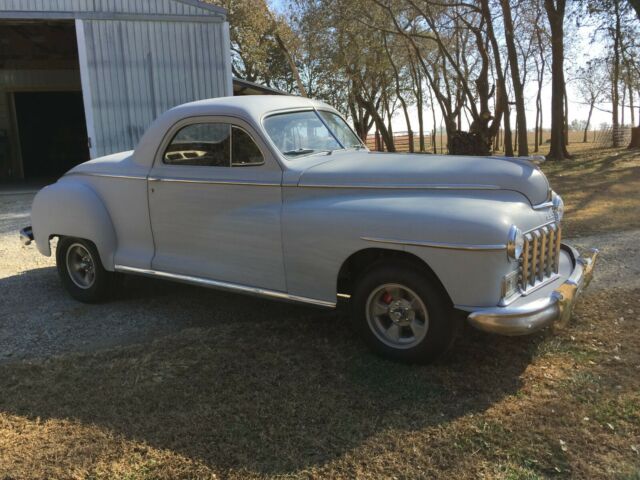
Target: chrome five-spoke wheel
{"points": [[402, 311], [397, 315], [81, 266], [81, 270]]}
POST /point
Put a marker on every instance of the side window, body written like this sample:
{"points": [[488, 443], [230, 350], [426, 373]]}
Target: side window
{"points": [[244, 151], [213, 145], [201, 144]]}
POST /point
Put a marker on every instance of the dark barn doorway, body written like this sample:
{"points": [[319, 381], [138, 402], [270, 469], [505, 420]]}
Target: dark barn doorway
{"points": [[52, 132]]}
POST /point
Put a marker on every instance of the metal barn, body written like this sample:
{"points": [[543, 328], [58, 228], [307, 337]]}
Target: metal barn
{"points": [[84, 78]]}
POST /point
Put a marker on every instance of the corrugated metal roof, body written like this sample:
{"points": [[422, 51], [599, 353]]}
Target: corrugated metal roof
{"points": [[105, 9], [245, 87]]}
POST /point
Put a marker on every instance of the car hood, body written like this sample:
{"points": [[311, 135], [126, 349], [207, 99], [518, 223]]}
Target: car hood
{"points": [[397, 170]]}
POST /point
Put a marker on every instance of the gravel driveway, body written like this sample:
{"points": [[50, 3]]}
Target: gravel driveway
{"points": [[38, 319]]}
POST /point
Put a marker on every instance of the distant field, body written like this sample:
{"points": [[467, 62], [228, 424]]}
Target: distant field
{"points": [[595, 139]]}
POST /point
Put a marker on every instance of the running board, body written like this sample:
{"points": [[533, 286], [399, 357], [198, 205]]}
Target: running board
{"points": [[226, 286]]}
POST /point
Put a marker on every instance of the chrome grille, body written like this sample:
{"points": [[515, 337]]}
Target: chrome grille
{"points": [[540, 257]]}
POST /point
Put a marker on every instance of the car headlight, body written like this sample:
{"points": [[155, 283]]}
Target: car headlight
{"points": [[515, 243], [558, 207]]}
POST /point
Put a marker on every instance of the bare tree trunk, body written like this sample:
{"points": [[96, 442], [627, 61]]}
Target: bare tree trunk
{"points": [[433, 112], [419, 94], [566, 116], [615, 95], [396, 76], [518, 90], [386, 136], [586, 127], [420, 127], [502, 99], [555, 12], [633, 118], [624, 100], [536, 143], [541, 126], [287, 53]]}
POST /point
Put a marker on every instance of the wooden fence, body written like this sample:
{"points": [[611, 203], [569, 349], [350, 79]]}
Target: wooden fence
{"points": [[436, 142]]}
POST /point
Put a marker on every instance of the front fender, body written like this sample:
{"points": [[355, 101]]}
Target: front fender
{"points": [[72, 208], [324, 227]]}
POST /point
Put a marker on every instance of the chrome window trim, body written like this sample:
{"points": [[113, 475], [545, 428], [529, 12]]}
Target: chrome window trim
{"points": [[233, 120], [448, 246], [212, 182], [231, 164], [309, 109], [227, 286]]}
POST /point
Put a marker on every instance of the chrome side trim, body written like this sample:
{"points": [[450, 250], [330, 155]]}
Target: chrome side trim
{"points": [[543, 206], [449, 246], [211, 182], [541, 226], [227, 286], [410, 186], [107, 175]]}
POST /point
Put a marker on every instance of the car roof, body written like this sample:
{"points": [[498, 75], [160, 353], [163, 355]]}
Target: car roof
{"points": [[255, 106], [251, 108]]}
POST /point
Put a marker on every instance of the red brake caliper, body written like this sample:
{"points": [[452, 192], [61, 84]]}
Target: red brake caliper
{"points": [[387, 298]]}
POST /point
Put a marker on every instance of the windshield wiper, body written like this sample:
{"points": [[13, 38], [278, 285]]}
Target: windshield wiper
{"points": [[306, 151], [299, 151]]}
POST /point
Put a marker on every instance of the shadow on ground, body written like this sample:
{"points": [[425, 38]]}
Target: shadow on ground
{"points": [[242, 383]]}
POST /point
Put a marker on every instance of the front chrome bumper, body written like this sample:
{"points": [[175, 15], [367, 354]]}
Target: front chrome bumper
{"points": [[554, 309], [26, 235]]}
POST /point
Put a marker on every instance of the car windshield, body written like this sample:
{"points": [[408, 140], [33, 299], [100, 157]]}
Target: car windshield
{"points": [[297, 134]]}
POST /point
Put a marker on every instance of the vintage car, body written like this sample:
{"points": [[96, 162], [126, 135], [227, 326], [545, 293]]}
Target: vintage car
{"points": [[277, 196]]}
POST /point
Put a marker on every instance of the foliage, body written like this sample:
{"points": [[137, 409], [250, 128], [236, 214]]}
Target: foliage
{"points": [[469, 62]]}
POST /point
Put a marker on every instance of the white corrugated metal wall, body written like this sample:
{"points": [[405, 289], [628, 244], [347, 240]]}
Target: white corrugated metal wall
{"points": [[139, 69], [138, 58], [145, 7]]}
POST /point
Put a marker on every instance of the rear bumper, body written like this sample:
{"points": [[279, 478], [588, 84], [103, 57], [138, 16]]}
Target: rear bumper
{"points": [[530, 316], [26, 235]]}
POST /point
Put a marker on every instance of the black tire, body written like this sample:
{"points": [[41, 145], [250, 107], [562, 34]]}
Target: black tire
{"points": [[442, 324], [98, 286]]}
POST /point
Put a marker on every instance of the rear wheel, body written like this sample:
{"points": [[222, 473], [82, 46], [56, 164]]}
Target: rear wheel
{"points": [[403, 313], [81, 270]]}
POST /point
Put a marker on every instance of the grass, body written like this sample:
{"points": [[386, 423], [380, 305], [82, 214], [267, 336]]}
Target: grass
{"points": [[279, 391], [600, 189]]}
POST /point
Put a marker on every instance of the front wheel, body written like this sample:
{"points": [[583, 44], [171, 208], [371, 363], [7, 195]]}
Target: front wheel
{"points": [[81, 270], [403, 313]]}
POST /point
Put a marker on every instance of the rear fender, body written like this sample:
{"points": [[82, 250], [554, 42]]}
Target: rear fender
{"points": [[72, 208]]}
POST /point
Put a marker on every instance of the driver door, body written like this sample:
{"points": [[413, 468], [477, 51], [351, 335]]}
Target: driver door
{"points": [[215, 205]]}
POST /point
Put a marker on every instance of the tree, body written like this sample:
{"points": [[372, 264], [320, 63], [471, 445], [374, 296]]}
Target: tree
{"points": [[518, 87], [636, 6], [555, 13], [592, 83], [262, 45], [457, 70], [617, 27]]}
